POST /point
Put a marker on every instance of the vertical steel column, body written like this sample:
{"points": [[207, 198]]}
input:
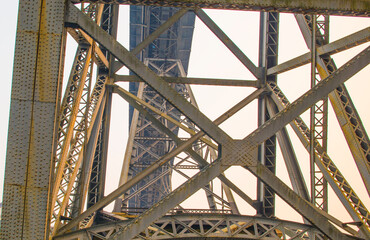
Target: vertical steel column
{"points": [[319, 115], [348, 118], [38, 67], [109, 23], [269, 24]]}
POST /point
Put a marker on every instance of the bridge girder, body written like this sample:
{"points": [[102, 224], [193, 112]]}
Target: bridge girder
{"points": [[332, 7], [22, 220]]}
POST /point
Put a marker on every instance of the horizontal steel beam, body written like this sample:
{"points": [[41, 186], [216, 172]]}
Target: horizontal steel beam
{"points": [[196, 81], [332, 7], [337, 46]]}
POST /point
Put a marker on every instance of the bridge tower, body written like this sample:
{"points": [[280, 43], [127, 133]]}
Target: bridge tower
{"points": [[58, 141]]}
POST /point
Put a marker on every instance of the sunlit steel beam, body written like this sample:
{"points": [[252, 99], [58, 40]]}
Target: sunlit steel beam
{"points": [[36, 89]]}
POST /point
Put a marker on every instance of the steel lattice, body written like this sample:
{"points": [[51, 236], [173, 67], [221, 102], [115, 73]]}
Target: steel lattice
{"points": [[55, 185]]}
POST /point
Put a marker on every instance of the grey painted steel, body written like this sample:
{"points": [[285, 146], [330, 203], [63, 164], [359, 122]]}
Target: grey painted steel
{"points": [[238, 152], [336, 7], [257, 72], [337, 46], [122, 189], [202, 163], [167, 55], [74, 16], [318, 115], [96, 180], [167, 24], [294, 170], [195, 81], [38, 67], [325, 87], [341, 187], [89, 156], [233, 152], [207, 226], [162, 128], [346, 113], [268, 56]]}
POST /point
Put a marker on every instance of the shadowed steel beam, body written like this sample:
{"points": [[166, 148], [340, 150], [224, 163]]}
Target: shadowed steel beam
{"points": [[340, 45], [181, 147], [195, 81], [74, 17], [336, 7], [239, 152], [166, 25], [291, 162], [267, 57], [257, 72]]}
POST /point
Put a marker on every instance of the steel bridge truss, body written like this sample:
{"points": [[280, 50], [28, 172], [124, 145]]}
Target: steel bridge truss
{"points": [[59, 192], [209, 226]]}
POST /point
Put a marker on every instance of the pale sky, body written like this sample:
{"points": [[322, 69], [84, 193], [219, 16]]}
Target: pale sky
{"points": [[209, 58]]}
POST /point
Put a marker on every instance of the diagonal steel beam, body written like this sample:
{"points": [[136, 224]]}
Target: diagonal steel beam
{"points": [[345, 111], [239, 152], [339, 184], [337, 46], [159, 125], [322, 89], [181, 147], [337, 7], [295, 174], [75, 18], [191, 152], [291, 162], [166, 25], [257, 72], [258, 136], [165, 116]]}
